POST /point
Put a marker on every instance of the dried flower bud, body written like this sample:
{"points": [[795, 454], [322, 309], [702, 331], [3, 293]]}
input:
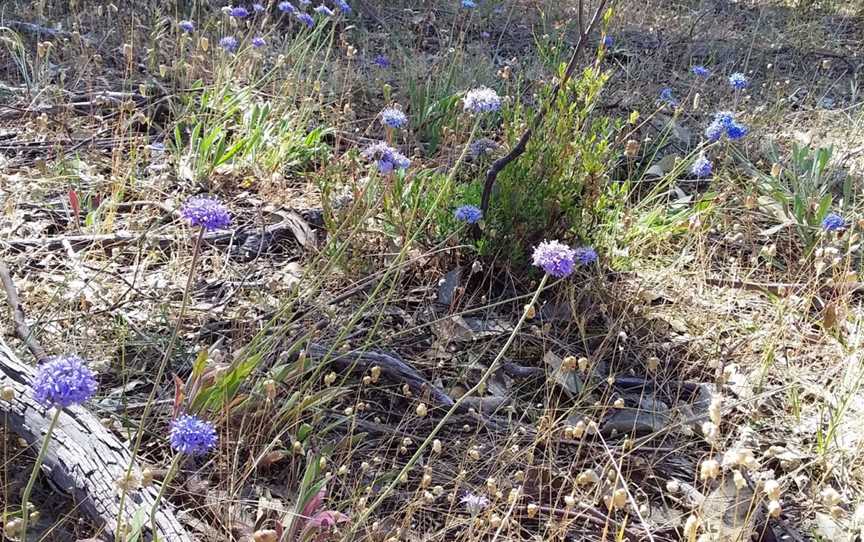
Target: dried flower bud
{"points": [[531, 510], [330, 378], [830, 497], [631, 149], [569, 501], [709, 469], [436, 446], [375, 373], [7, 393], [772, 489], [774, 509], [265, 535], [530, 312], [422, 410]]}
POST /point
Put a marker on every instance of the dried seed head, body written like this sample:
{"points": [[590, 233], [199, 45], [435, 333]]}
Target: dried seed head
{"points": [[569, 501], [530, 311], [830, 497], [265, 535], [491, 485], [588, 476], [631, 148], [422, 410], [365, 466], [375, 373], [836, 512], [569, 364], [774, 509], [617, 500], [436, 446], [297, 447], [776, 170], [7, 393], [619, 403], [474, 454], [13, 527], [494, 521], [691, 527], [426, 481], [772, 489], [709, 469], [738, 478], [531, 510], [652, 363], [330, 378], [583, 364], [673, 486]]}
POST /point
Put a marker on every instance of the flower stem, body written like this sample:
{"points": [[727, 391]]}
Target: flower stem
{"points": [[453, 409], [172, 470], [166, 355], [25, 498]]}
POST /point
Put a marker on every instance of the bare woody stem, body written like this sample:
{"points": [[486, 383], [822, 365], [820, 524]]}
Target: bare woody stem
{"points": [[522, 144]]}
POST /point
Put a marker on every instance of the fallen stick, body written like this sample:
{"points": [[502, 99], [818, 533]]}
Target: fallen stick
{"points": [[84, 458]]}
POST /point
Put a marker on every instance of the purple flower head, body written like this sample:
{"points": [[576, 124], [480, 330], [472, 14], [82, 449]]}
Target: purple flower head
{"points": [[381, 61], [306, 19], [63, 381], [555, 258], [474, 503], [257, 8], [258, 42], [343, 6], [736, 131], [700, 71], [208, 213], [393, 118], [191, 435], [469, 214], [482, 100], [608, 41], [469, 4], [482, 147], [833, 222], [305, 2], [702, 167], [186, 26], [324, 10], [386, 157], [240, 12], [585, 255], [724, 118], [667, 97], [286, 7], [229, 43], [714, 131], [738, 81]]}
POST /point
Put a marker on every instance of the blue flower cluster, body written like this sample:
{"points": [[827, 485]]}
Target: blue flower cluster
{"points": [[668, 98], [469, 214], [700, 71], [738, 81], [724, 122], [207, 213], [833, 222], [386, 157], [482, 100], [192, 436], [481, 147], [702, 167], [64, 381], [393, 118]]}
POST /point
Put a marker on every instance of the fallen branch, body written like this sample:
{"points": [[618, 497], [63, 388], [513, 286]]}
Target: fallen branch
{"points": [[84, 458], [522, 144]]}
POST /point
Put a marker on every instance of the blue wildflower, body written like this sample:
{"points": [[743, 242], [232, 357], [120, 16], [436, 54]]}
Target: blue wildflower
{"points": [[482, 100], [469, 214], [257, 8], [324, 10], [667, 97], [702, 167], [386, 157], [63, 381], [714, 131], [343, 6], [833, 222], [191, 435], [187, 26], [208, 213], [724, 118], [286, 7], [306, 19], [394, 118], [229, 43], [239, 12], [258, 42], [585, 255], [738, 81], [608, 41], [700, 71], [305, 2], [482, 147], [555, 258], [736, 131], [469, 4], [381, 61]]}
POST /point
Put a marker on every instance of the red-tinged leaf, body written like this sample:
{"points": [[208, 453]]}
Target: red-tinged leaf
{"points": [[178, 394], [326, 519], [314, 503], [75, 203]]}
